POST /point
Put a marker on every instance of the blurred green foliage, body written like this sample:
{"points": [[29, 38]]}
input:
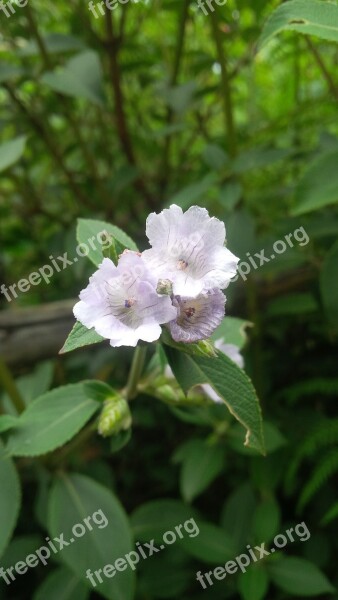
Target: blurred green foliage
{"points": [[115, 117]]}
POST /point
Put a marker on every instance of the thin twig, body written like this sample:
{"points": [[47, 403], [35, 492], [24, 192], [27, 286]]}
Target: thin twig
{"points": [[327, 75]]}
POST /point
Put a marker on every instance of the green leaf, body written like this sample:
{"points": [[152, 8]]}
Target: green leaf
{"points": [[237, 515], [155, 518], [62, 585], [54, 418], [75, 497], [215, 157], [19, 547], [232, 330], [229, 382], [201, 348], [202, 463], [11, 152], [212, 545], [329, 284], [266, 520], [10, 498], [166, 576], [54, 43], [293, 304], [272, 437], [79, 337], [87, 229], [7, 422], [81, 78], [258, 158], [310, 17], [253, 584], [230, 194], [191, 193], [299, 577], [319, 185], [8, 71]]}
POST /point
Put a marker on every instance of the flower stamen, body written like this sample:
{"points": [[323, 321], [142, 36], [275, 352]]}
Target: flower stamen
{"points": [[182, 265], [129, 302]]}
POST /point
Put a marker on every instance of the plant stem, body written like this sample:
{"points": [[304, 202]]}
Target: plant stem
{"points": [[10, 387], [327, 75], [135, 372], [226, 87]]}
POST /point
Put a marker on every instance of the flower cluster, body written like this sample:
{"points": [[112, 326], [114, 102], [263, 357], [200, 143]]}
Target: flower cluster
{"points": [[177, 282]]}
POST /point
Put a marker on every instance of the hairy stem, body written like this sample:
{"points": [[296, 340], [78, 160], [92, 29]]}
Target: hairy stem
{"points": [[135, 372]]}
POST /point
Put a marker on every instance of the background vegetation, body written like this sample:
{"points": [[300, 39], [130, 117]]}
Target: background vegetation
{"points": [[115, 117]]}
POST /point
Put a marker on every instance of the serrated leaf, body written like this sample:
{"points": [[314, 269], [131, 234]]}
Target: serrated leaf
{"points": [[10, 498], [89, 228], [75, 497], [229, 382], [79, 337], [7, 422], [54, 418], [310, 17]]}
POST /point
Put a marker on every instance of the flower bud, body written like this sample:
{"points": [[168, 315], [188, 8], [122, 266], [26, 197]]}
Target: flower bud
{"points": [[115, 416], [164, 287]]}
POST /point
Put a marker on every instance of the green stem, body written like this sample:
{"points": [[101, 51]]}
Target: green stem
{"points": [[10, 387], [325, 72], [135, 372], [225, 86]]}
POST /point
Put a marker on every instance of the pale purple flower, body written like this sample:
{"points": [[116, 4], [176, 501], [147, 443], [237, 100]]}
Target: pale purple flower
{"points": [[188, 248], [121, 302], [197, 317]]}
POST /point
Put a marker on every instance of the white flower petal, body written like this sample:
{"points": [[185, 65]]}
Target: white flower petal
{"points": [[188, 249], [122, 304]]}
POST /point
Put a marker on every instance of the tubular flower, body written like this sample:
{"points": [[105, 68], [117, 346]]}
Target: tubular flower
{"points": [[188, 249], [197, 317], [121, 302]]}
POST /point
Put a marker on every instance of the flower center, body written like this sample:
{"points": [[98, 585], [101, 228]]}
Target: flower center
{"points": [[129, 302], [190, 312], [182, 265]]}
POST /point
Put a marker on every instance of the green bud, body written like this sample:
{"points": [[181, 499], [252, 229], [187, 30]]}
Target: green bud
{"points": [[115, 416], [164, 287]]}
